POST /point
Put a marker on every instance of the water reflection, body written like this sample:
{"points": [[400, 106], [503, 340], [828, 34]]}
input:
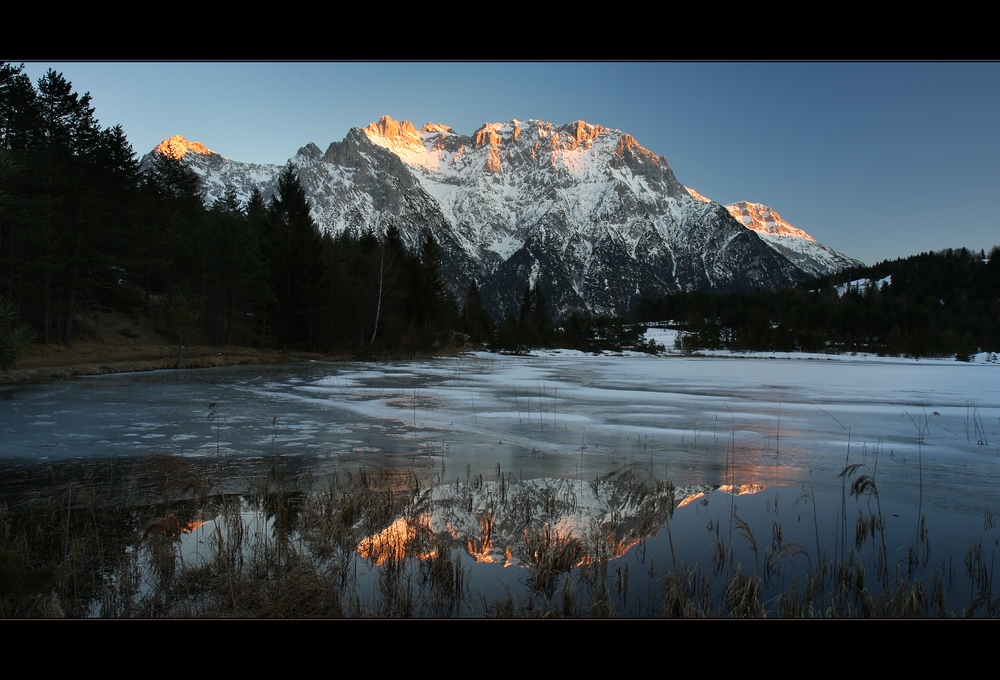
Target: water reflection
{"points": [[161, 537], [500, 520]]}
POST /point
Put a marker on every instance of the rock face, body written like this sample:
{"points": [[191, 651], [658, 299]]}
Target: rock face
{"points": [[598, 220]]}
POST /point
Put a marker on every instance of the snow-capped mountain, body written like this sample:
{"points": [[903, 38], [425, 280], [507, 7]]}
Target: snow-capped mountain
{"points": [[598, 220], [813, 257]]}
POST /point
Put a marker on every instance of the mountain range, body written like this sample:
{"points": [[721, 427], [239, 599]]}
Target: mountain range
{"points": [[584, 211]]}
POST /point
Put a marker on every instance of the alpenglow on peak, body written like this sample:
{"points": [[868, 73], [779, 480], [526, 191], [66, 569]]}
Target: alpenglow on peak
{"points": [[579, 147], [177, 146]]}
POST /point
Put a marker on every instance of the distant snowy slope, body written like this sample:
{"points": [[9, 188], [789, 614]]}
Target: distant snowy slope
{"points": [[795, 244], [216, 171]]}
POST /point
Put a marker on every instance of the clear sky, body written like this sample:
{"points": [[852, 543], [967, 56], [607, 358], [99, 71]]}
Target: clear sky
{"points": [[876, 160]]}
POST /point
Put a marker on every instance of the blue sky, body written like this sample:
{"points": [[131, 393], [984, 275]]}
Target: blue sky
{"points": [[876, 160]]}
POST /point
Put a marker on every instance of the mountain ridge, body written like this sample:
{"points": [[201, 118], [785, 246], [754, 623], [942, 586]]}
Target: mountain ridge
{"points": [[597, 220]]}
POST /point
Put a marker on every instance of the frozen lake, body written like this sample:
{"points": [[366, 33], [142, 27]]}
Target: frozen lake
{"points": [[792, 423]]}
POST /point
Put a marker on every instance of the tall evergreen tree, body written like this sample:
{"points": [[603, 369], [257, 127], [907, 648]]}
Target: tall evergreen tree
{"points": [[386, 263], [476, 320], [237, 278], [14, 338], [18, 108], [171, 254], [431, 301], [535, 322], [295, 260]]}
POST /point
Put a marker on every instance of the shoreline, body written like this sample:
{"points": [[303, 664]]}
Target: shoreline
{"points": [[42, 363]]}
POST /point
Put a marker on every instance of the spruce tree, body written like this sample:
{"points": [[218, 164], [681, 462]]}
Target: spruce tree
{"points": [[14, 338], [295, 260], [18, 108], [535, 321], [476, 320]]}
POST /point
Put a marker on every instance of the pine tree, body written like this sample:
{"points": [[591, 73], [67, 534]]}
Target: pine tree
{"points": [[256, 208], [476, 320], [18, 108], [172, 252], [386, 264], [295, 260], [434, 304], [13, 338], [535, 320], [235, 286]]}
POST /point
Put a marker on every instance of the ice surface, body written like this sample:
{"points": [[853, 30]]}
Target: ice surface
{"points": [[697, 420]]}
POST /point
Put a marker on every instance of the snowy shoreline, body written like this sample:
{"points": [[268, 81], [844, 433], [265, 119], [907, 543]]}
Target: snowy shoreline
{"points": [[668, 336]]}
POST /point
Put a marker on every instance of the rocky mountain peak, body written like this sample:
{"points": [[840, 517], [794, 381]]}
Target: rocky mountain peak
{"points": [[488, 135], [390, 133], [435, 127], [310, 152], [758, 217], [583, 131], [177, 146], [628, 143]]}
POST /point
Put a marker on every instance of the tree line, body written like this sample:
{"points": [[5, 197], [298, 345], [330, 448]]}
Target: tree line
{"points": [[931, 304]]}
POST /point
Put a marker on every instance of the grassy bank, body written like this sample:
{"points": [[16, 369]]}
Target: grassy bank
{"points": [[46, 362], [116, 343]]}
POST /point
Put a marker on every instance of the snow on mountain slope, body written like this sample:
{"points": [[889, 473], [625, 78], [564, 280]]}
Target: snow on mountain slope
{"points": [[811, 256], [217, 172], [798, 246], [598, 215]]}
